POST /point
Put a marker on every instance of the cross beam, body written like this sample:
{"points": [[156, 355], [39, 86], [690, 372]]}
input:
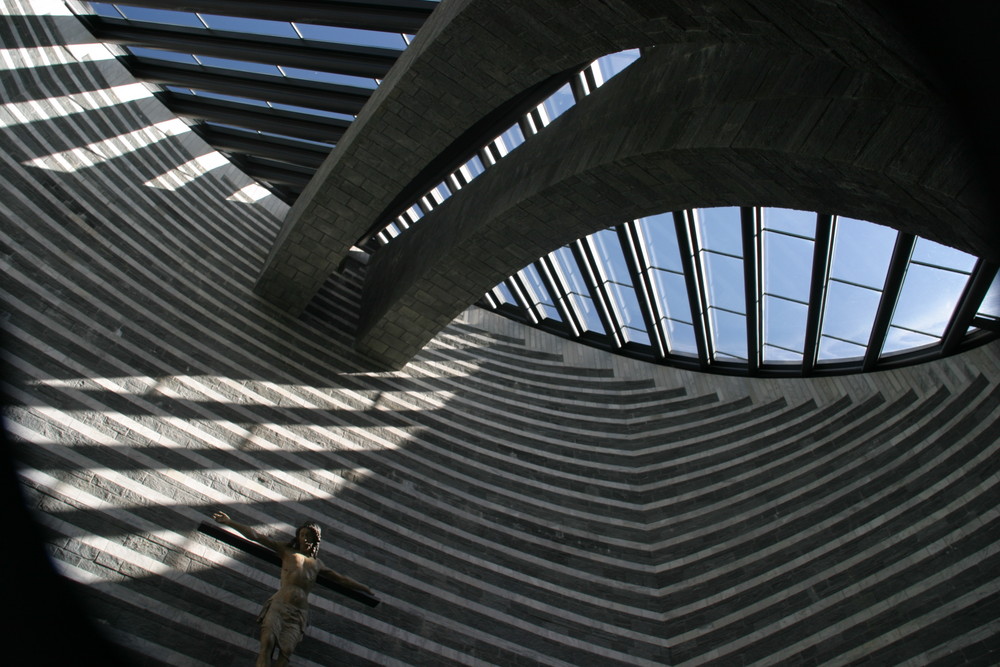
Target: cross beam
{"points": [[254, 549]]}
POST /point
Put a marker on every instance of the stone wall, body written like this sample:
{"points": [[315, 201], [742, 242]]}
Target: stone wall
{"points": [[513, 499]]}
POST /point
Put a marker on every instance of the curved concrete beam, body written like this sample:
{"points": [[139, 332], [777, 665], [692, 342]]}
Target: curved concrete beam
{"points": [[683, 127], [473, 56]]}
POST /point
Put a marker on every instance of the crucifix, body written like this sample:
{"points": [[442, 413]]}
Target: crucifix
{"points": [[284, 616]]}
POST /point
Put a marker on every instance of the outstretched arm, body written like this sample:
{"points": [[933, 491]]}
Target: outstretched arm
{"points": [[248, 532], [343, 580]]}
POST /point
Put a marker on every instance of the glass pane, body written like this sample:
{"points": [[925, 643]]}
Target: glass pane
{"points": [[680, 338], [719, 229], [558, 103], [239, 65], [784, 323], [670, 292], [512, 138], [787, 265], [570, 272], [729, 334], [230, 98], [105, 9], [897, 339], [252, 26], [778, 355], [337, 35], [660, 242], [831, 349], [166, 16], [157, 54], [800, 223], [613, 63], [474, 167], [539, 293], [930, 252], [504, 295], [626, 305], [587, 311], [610, 257], [928, 299], [328, 77], [861, 252], [850, 312], [724, 281], [991, 302]]}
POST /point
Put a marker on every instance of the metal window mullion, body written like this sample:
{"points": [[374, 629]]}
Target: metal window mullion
{"points": [[536, 120], [557, 290], [485, 157], [684, 228], [523, 293], [822, 254], [890, 295], [491, 301], [975, 291], [751, 233], [587, 262], [628, 237], [527, 130], [577, 87], [516, 288]]}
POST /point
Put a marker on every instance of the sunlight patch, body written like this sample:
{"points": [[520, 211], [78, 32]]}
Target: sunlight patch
{"points": [[189, 171]]}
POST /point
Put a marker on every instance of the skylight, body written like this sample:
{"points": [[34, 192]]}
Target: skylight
{"points": [[885, 298], [237, 70]]}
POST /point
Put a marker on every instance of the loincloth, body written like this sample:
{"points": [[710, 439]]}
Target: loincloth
{"points": [[286, 622]]}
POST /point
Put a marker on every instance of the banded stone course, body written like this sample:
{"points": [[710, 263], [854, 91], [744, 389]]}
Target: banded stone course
{"points": [[513, 498]]}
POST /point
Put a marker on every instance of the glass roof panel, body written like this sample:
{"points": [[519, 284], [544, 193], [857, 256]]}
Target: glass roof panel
{"points": [[165, 16], [834, 348], [849, 316], [229, 98], [800, 223], [571, 276], [239, 65], [787, 265], [249, 26], [539, 293], [504, 295], [160, 54], [861, 252], [935, 254], [660, 242], [926, 303], [991, 304], [719, 230], [898, 339], [615, 272], [784, 329], [329, 77], [557, 103], [724, 282], [614, 63], [106, 9], [728, 335], [338, 35]]}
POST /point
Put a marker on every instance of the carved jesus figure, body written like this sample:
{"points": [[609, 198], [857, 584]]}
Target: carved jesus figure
{"points": [[283, 618]]}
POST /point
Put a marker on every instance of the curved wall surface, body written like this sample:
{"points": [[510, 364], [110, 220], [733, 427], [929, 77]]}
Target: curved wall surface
{"points": [[512, 498]]}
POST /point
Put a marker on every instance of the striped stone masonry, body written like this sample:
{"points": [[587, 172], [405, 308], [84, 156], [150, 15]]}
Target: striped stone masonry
{"points": [[512, 498]]}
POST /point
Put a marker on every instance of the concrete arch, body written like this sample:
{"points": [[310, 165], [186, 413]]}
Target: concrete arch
{"points": [[472, 57], [685, 126]]}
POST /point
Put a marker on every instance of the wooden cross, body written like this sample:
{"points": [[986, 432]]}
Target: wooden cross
{"points": [[259, 550]]}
